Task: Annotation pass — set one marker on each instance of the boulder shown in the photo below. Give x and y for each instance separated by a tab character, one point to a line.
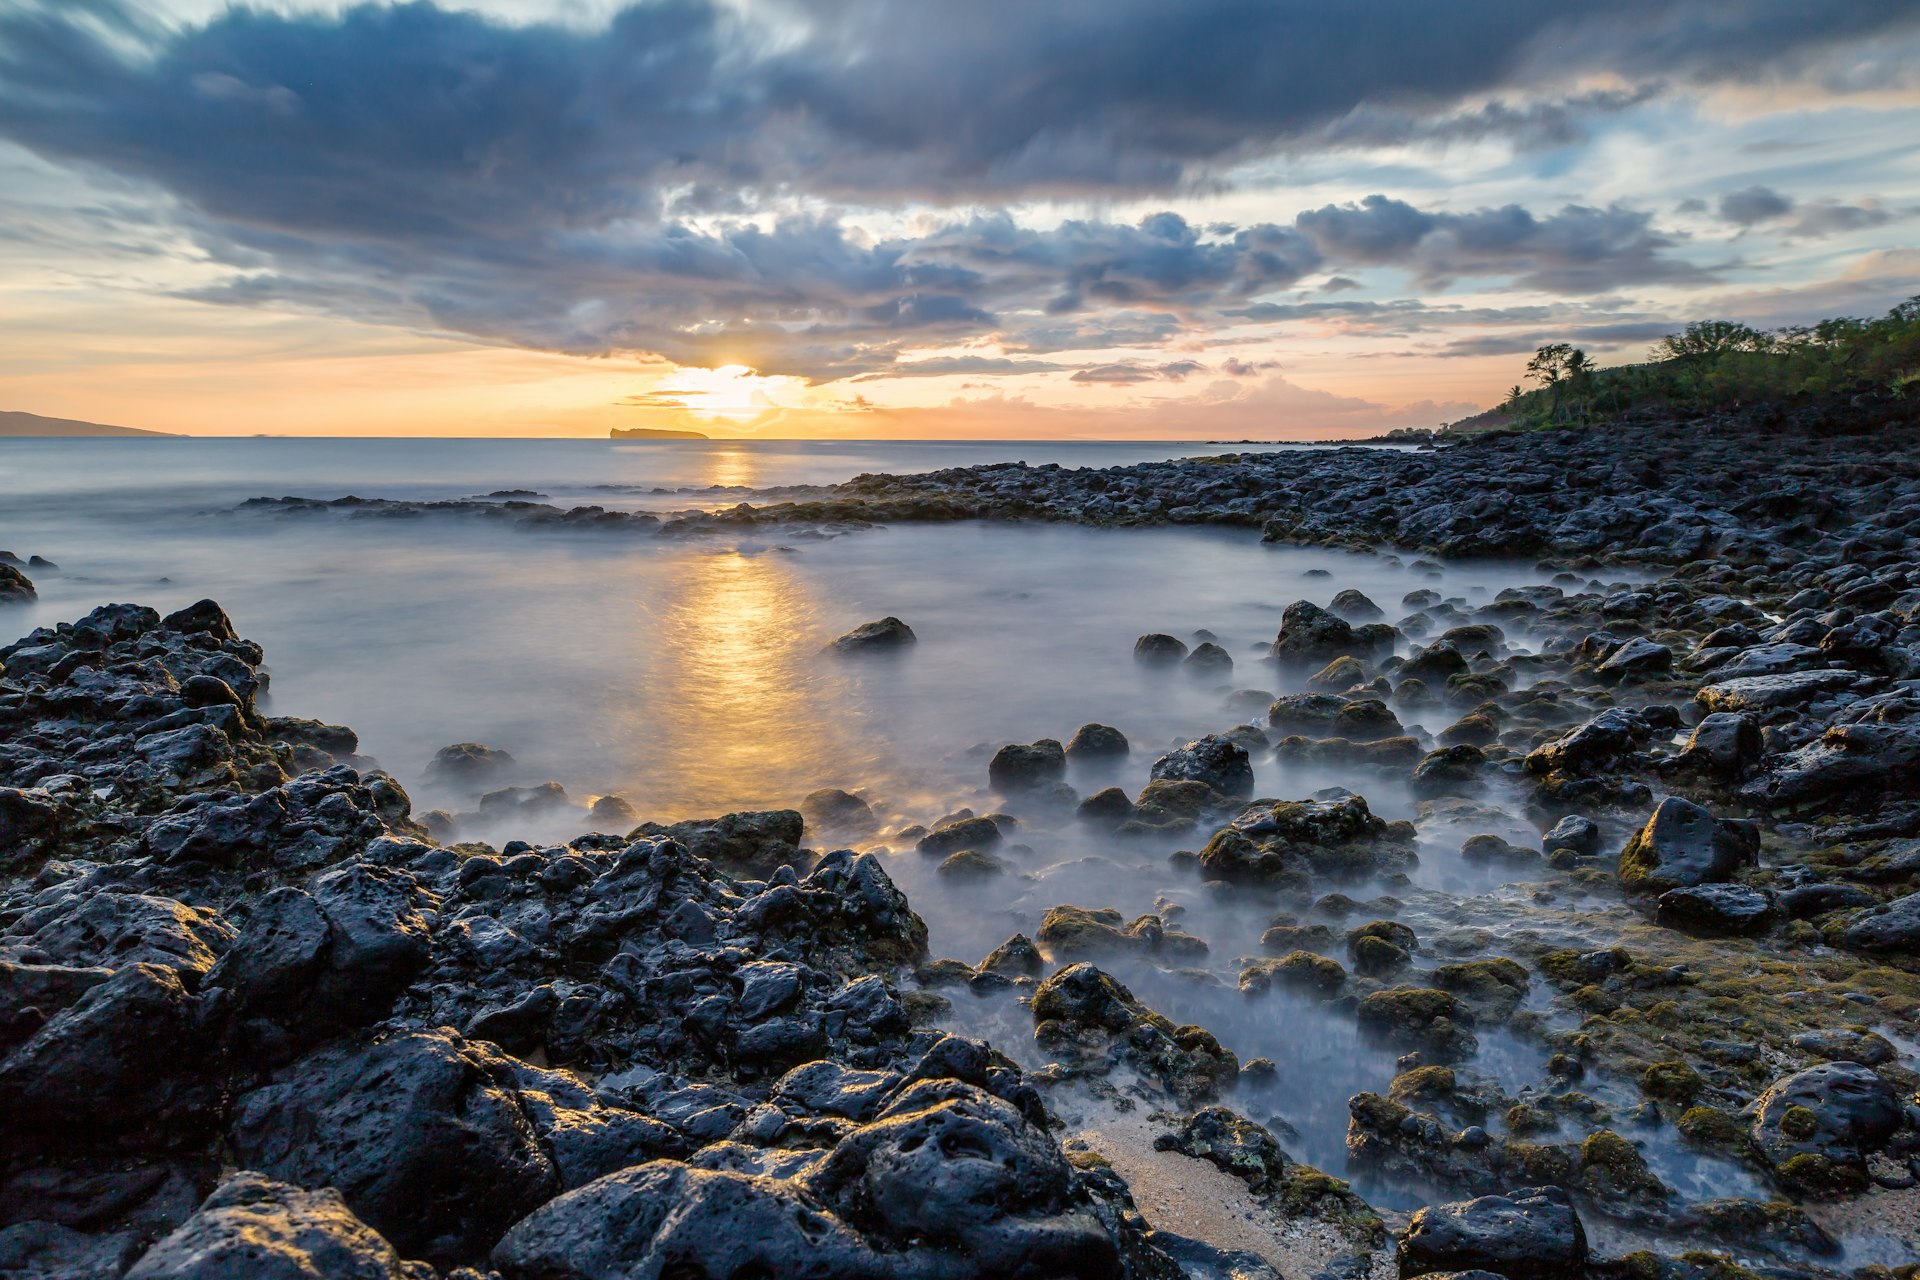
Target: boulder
1017	957
1449	771
1108	807
134	1062
1769	660
967	833
1588	747
1095	742
612	813
757	843
468	766
1848	764
1433	665
835	810
1582	835
1637	659
1215	760
1291	842
1766	693
1816	1127
16	587
1364	720
1895	930
1312	637
1683	845
1308	713
1341	673
1726	744
424	1134
1017	768
1530	1234
1435	1023
1208	659
1158	650
1354	606
1736	909
253	1228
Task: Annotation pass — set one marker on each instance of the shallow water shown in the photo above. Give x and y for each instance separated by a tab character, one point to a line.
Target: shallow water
691	676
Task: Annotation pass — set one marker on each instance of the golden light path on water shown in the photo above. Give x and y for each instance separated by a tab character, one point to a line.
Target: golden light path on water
736	703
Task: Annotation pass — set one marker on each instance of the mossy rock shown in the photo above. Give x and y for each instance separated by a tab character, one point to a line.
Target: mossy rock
1425	1019
1182	798
1672	1081
1376	957
1816	1177
1423	1084
1612	1169
1498	983
1712	1129
1524	1121
1301	971
1072	932
923	1008
1393	931
971	864
1291	937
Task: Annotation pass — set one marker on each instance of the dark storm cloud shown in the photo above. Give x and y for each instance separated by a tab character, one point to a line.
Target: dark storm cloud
1754	205
591	190
1578	250
413	119
1835	217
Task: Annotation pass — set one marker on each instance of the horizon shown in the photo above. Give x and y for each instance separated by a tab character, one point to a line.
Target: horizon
854	220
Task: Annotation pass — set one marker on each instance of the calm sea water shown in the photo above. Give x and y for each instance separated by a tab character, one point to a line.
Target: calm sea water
690	676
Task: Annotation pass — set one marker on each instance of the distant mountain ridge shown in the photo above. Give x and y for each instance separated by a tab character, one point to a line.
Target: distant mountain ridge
15	423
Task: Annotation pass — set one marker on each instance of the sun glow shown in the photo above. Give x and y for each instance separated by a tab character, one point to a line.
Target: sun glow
731	393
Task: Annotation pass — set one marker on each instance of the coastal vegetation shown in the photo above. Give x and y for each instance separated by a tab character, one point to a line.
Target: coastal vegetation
1717	366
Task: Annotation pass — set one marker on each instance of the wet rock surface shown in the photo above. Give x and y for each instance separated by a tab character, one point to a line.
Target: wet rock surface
428	1057
1622	964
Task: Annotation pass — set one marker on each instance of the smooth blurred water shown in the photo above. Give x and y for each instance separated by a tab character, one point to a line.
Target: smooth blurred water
692	677
132	475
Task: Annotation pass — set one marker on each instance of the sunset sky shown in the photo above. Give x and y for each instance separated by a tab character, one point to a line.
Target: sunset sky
1014	218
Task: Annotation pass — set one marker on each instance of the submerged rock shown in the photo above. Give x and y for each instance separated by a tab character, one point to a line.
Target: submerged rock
837	810
1159	650
470	766
1208	659
884	634
1016	768
1096	742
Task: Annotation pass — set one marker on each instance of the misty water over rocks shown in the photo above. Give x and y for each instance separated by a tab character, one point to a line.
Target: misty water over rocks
1411	962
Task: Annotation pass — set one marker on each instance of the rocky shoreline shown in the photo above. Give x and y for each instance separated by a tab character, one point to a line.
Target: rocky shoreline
1742	487
255	1019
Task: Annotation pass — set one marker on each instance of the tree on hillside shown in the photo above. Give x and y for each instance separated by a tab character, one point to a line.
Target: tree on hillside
1705	341
1564	372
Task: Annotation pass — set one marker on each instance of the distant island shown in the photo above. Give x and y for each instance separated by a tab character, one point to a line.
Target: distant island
15	423
655	433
